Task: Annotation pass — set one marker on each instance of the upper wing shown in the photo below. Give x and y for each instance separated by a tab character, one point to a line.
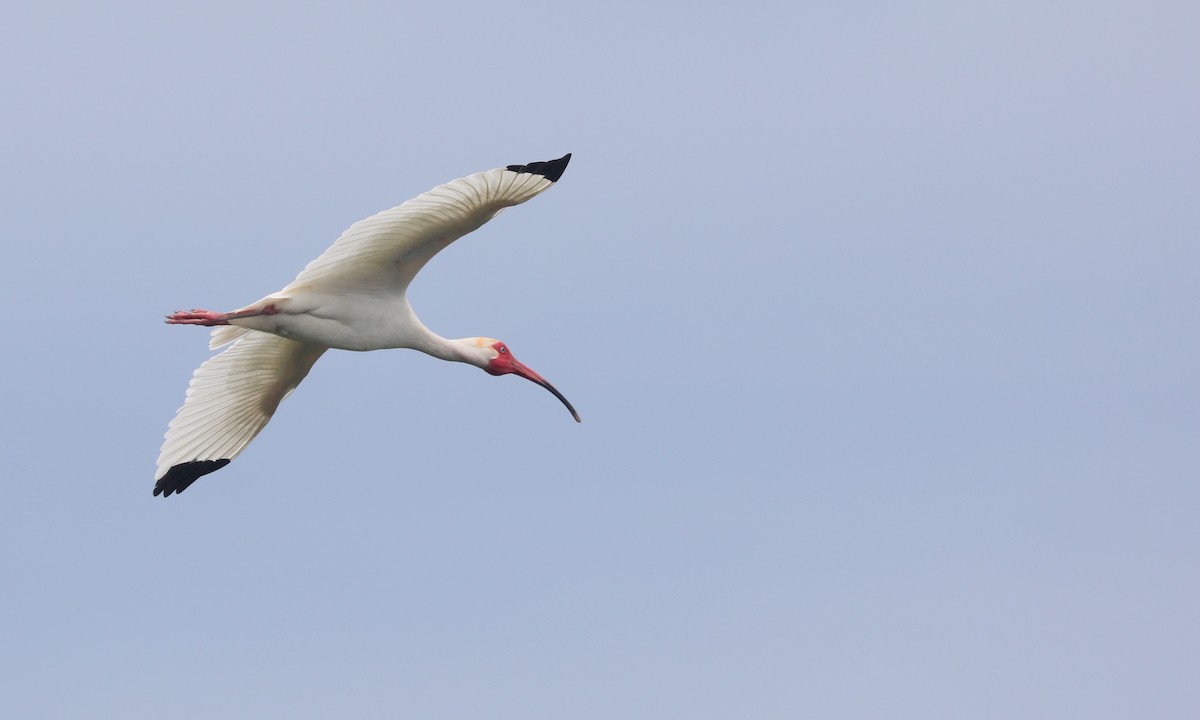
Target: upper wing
229	400
384	252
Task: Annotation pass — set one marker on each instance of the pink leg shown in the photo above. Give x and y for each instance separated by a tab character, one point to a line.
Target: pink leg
196	316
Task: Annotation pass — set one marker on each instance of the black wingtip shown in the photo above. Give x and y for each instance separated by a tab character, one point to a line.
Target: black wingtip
552	170
180	476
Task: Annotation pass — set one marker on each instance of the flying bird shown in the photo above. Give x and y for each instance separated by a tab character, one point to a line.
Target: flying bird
352	297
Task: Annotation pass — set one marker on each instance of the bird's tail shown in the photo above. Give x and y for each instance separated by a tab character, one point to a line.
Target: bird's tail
225	334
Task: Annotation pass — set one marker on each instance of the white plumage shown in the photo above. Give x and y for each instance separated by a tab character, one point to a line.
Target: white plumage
352	297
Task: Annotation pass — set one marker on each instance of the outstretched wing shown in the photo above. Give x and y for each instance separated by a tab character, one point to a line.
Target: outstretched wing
384	252
229	400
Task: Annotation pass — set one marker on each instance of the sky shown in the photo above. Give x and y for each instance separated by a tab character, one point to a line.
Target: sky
881	319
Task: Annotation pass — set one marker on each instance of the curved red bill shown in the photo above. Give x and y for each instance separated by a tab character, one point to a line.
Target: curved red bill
518	367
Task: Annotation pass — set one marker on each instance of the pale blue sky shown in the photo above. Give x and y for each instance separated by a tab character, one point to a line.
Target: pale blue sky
882	320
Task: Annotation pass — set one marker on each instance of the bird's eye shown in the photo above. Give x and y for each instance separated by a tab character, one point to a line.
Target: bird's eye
503	349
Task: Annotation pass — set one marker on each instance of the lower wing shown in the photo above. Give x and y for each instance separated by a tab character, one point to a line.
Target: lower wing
230	399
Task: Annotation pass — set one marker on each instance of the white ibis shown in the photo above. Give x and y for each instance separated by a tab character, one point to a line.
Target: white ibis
352	297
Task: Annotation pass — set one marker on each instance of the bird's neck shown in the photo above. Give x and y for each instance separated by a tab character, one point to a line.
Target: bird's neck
412	333
461	350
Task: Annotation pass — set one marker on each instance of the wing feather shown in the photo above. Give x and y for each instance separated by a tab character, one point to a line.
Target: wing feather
385	251
229	400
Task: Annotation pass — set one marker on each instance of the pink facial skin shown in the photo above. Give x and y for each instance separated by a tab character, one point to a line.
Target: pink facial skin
504	363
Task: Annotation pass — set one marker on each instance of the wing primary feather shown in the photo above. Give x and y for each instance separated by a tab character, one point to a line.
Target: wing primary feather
180	476
552	170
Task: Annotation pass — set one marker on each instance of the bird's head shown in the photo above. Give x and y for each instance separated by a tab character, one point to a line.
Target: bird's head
496	359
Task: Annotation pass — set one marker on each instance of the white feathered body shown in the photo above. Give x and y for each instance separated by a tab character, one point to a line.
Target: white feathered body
352	297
